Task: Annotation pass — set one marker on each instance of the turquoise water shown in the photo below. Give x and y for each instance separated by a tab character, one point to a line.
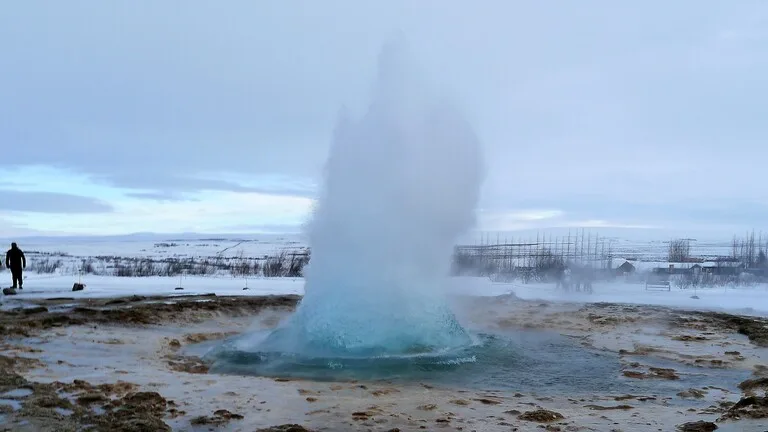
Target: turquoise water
523	361
528	361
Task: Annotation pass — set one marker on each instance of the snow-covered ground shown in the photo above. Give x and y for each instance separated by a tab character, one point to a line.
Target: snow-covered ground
163	246
157	255
42	286
751	300
71	252
74	251
746	300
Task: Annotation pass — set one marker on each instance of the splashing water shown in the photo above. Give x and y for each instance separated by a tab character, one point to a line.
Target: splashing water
401	186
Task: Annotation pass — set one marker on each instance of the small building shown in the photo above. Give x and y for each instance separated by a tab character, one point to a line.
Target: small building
723	267
671	269
625	268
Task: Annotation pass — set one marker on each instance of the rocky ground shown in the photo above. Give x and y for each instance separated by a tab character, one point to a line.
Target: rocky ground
123	365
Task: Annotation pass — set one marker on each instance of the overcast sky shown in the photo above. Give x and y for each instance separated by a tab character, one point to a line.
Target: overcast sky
127	116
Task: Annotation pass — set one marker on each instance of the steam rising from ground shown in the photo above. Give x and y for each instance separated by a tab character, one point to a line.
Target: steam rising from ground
401	186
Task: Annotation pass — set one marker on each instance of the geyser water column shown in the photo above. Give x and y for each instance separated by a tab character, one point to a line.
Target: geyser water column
401	185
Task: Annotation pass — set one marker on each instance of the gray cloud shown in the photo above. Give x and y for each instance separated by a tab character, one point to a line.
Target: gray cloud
594	95
158	196
50	202
178	188
583	207
265	228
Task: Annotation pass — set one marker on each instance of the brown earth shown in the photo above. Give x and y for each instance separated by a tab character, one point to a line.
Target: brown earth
122	408
119	406
698	426
541	416
136	311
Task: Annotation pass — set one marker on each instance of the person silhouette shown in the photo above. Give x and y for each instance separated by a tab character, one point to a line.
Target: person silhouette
17	262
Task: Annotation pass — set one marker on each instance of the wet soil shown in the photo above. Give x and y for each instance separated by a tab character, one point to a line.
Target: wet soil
120	406
174	390
134	310
698	426
73	406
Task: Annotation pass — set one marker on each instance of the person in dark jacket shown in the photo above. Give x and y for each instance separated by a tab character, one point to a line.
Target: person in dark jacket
17	262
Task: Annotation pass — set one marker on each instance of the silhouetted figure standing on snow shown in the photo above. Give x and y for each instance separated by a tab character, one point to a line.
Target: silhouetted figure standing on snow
17	262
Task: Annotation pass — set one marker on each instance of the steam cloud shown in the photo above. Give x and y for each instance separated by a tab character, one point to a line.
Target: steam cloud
401	186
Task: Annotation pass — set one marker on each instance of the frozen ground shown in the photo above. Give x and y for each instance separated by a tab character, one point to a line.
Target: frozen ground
750	300
47	286
184	254
152	245
70	255
55	263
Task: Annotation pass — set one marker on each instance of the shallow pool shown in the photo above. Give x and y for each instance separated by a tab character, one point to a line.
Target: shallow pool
525	361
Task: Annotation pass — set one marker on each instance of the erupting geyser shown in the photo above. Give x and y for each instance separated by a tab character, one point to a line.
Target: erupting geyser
401	185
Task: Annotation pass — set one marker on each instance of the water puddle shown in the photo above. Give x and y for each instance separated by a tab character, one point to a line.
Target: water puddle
63	411
16	306
14	404
200	349
62	308
17	393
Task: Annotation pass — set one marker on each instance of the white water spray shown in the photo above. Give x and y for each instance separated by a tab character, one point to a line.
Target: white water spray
401	186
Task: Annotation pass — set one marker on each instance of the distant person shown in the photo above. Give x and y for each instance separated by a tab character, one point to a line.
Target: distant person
17	262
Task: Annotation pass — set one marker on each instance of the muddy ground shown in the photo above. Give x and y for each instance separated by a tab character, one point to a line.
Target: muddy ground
120	365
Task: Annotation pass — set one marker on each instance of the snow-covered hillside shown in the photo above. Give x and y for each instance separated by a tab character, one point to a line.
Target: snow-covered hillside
155	255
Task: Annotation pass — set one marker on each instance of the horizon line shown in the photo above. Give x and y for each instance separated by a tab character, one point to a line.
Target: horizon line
529	232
